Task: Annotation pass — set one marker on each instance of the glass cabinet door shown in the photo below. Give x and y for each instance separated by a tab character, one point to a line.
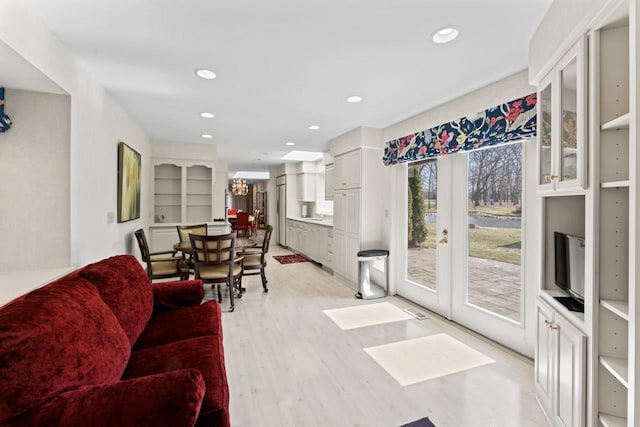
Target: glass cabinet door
569	102
544	124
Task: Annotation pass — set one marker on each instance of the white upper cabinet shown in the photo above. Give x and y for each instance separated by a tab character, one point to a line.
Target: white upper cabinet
562	136
347	170
306	187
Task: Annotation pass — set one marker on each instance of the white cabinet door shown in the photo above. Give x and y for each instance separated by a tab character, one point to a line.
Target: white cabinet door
339	211
562	118
543	370
560	364
339	252
351	258
321	244
352	211
569	405
329	179
348	170
306	187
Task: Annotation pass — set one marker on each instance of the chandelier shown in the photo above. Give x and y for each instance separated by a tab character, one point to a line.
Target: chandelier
239	187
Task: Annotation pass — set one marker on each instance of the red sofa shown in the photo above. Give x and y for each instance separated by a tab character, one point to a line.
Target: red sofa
103	347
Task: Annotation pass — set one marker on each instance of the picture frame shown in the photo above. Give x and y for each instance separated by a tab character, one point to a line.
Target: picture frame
129	168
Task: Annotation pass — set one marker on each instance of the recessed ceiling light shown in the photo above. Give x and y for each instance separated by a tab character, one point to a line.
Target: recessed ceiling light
290	143
207	115
314	127
206	136
445	35
353	99
206	74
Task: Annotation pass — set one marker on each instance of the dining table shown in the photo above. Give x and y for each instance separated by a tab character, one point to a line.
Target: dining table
242	243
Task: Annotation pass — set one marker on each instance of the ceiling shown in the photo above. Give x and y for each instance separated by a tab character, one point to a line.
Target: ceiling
283	65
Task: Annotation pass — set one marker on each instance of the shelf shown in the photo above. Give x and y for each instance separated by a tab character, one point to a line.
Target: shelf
619	368
160	178
612	421
168	194
198	206
168	206
621	122
615	184
199	179
198	194
620	308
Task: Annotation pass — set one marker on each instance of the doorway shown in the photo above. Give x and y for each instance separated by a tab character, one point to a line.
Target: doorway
463	228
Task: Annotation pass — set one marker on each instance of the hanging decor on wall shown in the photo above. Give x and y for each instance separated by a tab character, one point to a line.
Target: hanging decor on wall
503	123
5	121
129	165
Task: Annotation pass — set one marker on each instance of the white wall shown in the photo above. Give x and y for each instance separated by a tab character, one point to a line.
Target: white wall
97	124
564	22
34	182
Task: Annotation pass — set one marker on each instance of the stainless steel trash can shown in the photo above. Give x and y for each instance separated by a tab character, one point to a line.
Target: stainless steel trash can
372	284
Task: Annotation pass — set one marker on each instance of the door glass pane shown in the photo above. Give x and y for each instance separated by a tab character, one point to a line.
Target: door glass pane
545	134
494	230
568	161
422	216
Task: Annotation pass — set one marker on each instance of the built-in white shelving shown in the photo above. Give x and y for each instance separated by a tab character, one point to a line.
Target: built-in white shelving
620	308
615	184
620	122
612	421
618	367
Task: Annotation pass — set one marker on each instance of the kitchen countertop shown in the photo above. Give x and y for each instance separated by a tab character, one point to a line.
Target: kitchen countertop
327	222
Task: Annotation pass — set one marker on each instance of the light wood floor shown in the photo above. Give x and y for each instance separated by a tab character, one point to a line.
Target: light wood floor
288	364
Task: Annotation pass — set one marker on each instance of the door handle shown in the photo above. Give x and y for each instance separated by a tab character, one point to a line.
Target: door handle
444	239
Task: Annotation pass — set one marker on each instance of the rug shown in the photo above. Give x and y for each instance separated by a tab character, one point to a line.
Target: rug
290	259
426	358
422	422
366	315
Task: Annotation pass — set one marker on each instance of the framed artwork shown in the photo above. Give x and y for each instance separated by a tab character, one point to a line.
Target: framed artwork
129	166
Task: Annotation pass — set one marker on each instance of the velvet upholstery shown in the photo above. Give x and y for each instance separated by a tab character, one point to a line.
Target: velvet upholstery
66	358
172	295
204	354
202	320
124	287
170	399
56	338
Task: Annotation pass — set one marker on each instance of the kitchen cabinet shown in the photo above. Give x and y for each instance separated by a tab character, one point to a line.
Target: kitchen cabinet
329	179
348	170
560	363
308	239
306	187
562	140
346	237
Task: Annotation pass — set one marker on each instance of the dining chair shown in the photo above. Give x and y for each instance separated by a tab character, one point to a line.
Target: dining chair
161	265
242	223
215	262
255	259
254	224
183	235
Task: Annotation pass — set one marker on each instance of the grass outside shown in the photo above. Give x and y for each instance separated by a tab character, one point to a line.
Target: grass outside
507	209
498	244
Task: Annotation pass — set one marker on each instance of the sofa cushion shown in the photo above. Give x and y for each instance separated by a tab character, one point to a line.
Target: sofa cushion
204	354
171	399
125	288
56	338
169	326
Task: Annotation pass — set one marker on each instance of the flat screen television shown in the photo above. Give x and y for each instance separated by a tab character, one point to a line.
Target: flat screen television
569	268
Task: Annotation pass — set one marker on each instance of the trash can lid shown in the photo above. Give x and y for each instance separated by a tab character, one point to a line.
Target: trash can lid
373	253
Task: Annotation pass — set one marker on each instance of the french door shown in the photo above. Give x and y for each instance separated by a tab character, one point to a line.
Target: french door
463	241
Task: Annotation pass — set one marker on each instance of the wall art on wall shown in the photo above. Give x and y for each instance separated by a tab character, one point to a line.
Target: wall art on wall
129	166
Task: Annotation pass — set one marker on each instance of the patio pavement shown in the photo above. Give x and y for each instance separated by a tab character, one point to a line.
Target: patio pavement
493	285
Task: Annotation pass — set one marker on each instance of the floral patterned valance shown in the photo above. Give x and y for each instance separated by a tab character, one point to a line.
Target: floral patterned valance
510	121
5	121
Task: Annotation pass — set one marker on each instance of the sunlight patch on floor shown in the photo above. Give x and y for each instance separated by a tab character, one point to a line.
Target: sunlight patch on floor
422	359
